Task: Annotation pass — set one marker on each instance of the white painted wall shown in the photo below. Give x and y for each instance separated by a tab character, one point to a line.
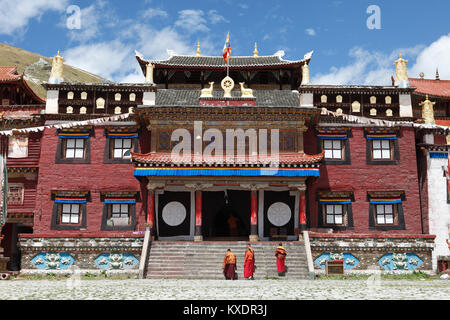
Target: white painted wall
438	208
51	106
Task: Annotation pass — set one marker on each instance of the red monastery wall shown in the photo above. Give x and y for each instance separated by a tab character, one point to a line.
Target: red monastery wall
360	177
95	177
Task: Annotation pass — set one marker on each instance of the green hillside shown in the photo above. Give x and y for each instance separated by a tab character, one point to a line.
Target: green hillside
37	68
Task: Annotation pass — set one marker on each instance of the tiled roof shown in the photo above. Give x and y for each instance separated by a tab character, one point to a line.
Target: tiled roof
173	97
284	159
9	73
439	88
218	61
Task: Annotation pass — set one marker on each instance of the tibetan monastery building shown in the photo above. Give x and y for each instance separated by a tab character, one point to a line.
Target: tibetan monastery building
207	155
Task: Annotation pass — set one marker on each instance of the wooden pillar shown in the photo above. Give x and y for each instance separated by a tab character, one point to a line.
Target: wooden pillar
302	210
254	216
151	211
198	236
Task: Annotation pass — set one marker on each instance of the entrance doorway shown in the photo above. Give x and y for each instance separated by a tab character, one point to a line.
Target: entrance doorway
226	215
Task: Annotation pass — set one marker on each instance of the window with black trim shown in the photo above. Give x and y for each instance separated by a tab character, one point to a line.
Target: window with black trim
386	210
335	210
69	212
73	148
336	147
382	149
119	146
119	212
333	149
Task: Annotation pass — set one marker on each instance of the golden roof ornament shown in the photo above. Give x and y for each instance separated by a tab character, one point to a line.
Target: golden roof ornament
227	85
255	52
401	73
57	73
427	110
246	92
305	74
198	52
149	73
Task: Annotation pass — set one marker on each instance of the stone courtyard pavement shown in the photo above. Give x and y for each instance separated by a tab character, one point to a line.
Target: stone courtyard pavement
222	290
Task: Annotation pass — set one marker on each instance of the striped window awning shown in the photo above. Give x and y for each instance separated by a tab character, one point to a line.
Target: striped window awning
335	201
223	172
385	200
120	200
332	136
73	135
381	136
123	135
70	200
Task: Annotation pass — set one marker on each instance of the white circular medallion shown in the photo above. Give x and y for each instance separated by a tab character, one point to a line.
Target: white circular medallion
174	213
279	214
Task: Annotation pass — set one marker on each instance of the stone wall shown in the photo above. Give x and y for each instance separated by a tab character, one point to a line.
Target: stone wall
63	255
369	253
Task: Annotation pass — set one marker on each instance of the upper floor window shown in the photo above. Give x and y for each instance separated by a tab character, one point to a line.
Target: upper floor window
73	148
119	146
336	147
18	147
382	149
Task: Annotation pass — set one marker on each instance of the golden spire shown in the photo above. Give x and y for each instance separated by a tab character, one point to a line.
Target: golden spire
198	52
255	53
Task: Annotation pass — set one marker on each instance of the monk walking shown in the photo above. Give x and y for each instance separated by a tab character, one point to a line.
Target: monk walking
249	263
281	254
229	265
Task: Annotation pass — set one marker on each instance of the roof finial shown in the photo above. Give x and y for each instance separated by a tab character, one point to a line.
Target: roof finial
255	53
57	73
198	52
401	73
437	75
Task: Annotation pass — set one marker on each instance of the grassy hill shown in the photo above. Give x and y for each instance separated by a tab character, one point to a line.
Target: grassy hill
37	68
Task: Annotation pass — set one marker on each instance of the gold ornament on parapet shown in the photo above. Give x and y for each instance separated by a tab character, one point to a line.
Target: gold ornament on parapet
227	86
427	110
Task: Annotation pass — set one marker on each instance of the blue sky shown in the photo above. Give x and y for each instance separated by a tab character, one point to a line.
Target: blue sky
346	51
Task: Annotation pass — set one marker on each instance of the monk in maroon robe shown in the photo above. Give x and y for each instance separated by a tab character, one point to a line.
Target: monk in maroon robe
229	265
249	263
281	254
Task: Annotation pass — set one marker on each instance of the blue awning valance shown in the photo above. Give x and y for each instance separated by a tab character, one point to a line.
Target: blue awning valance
224	172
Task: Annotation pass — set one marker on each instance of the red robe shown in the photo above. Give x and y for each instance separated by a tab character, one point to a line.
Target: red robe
229	265
249	263
280	253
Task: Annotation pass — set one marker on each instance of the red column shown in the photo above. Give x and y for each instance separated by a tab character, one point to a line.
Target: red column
198	216
151	209
254	216
302	210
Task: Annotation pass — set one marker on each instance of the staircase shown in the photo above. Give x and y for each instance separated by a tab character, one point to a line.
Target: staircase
203	260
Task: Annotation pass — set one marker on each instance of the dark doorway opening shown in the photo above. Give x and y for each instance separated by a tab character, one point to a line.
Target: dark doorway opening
10	233
226	215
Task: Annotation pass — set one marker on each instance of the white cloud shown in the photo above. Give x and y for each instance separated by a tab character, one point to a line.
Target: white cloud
214	17
151	13
192	21
92	18
106	59
376	68
310	32
15	15
435	55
